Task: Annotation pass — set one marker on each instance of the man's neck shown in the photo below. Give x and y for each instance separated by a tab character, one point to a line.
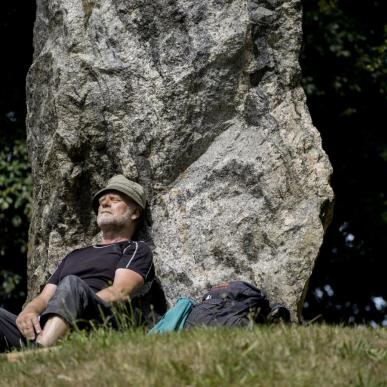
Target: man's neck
107	241
109	238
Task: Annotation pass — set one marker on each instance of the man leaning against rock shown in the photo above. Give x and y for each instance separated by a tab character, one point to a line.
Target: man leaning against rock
90	281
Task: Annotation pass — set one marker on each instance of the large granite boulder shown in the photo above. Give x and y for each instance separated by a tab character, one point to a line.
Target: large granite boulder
199	101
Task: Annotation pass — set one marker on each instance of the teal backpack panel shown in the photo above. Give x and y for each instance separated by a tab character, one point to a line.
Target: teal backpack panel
175	318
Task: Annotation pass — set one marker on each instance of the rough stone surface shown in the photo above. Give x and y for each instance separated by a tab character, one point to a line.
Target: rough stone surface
200	101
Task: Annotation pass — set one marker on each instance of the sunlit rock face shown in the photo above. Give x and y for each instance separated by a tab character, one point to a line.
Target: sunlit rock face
199	101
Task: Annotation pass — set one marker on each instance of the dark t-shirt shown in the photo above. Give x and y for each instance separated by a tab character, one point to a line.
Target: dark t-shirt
97	264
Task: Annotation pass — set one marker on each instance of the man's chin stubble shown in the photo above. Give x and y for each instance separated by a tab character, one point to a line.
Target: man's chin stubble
111	222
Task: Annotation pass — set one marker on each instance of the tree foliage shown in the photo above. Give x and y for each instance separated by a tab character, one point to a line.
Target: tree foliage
345	76
15	206
16	22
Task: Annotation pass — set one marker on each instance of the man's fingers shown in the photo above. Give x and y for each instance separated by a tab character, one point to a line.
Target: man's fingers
28	326
30	335
19	324
36	324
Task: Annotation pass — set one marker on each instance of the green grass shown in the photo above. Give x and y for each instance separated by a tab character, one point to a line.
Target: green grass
264	356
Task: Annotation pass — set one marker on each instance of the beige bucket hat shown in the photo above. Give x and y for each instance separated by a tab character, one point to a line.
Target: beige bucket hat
123	185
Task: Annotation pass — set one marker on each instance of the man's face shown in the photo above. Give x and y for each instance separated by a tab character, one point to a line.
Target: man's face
115	210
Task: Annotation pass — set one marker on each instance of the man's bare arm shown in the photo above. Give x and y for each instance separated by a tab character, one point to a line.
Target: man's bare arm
28	320
125	283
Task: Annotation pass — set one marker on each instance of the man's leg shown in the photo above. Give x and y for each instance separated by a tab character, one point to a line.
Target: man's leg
10	336
73	301
54	329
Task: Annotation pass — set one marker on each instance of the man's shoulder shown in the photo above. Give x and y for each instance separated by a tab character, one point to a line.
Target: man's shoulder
137	246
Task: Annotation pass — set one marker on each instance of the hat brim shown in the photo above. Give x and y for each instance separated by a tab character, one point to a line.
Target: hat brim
95	202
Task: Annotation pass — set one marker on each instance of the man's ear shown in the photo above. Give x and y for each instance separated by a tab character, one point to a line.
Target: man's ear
136	214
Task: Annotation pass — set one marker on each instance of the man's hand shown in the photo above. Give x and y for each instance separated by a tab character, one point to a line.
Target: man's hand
28	319
28	324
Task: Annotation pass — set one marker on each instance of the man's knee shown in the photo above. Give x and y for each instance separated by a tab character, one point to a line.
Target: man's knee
71	282
71	285
68	297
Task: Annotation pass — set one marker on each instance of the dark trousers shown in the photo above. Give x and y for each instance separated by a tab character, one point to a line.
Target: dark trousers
74	301
10	336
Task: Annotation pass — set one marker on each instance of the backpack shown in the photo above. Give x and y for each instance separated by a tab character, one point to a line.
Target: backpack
235	303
